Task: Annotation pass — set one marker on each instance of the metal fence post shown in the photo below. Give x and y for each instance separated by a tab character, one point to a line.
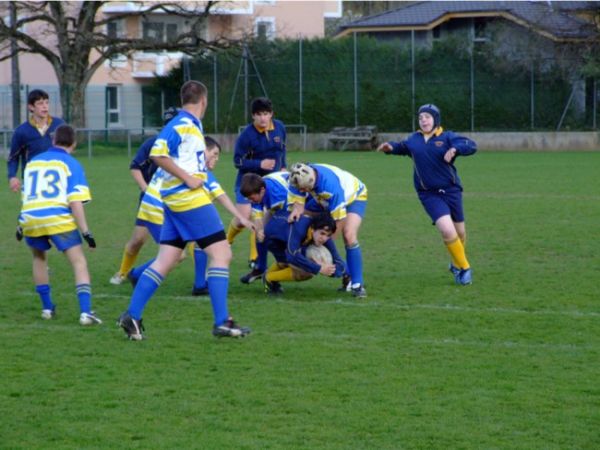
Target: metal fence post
412	70
300	76
355	83
89	139
128	143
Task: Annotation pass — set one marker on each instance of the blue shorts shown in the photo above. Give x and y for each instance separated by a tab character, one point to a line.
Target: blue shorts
153	228
357	207
443	203
193	225
62	241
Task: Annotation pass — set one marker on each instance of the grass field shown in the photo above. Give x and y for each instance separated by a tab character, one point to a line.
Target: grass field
511	362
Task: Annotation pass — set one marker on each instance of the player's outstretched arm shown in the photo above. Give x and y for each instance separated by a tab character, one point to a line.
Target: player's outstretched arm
224	200
137	176
386	147
167	164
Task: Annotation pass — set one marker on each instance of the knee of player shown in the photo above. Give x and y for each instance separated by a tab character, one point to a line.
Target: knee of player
301	275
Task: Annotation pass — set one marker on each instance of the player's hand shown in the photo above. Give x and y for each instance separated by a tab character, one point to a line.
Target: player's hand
386	147
247	223
14	184
194	183
450	155
91	242
327	269
267	164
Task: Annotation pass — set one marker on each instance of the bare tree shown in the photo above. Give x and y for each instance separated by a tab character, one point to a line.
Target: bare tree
76	39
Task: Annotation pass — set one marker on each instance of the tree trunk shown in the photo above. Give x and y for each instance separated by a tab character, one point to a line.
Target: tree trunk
72	100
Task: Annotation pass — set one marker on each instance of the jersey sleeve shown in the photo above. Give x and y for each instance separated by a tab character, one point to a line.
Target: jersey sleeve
340	265
295	196
295	250
16	148
399	148
77	186
212	186
240	160
143	154
464	146
166	144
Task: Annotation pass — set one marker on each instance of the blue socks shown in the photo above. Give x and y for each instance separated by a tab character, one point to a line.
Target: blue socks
137	272
218	286
145	288
355	264
263	253
200	261
84	295
43	291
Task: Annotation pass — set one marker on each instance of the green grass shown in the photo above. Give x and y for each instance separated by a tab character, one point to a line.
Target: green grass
512	361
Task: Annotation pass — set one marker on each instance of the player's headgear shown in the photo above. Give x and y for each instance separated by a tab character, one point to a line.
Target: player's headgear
169	114
302	176
434	111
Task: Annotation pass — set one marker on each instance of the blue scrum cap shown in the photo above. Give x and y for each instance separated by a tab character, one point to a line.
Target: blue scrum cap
430	108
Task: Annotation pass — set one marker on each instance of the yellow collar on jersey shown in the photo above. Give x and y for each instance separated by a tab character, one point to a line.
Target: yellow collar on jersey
35	125
436	132
270	127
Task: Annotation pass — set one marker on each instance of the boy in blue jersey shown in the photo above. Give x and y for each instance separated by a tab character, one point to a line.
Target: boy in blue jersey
436	181
322	187
259	149
142	169
189	216
288	243
30	139
268	196
54	191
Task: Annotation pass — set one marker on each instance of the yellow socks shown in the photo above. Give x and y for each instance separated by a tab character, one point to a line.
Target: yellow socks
253	252
232	232
127	261
276	274
457	253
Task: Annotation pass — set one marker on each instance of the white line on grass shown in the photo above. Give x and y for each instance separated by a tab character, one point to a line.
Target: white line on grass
374	304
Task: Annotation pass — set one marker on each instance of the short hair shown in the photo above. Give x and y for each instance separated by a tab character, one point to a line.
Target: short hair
35	95
324	221
64	136
192	92
261	104
251	183
211	143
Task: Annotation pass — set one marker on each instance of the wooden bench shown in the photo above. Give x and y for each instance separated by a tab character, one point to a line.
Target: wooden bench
358	137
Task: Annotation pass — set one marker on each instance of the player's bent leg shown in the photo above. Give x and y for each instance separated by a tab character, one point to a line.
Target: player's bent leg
460	266
130	253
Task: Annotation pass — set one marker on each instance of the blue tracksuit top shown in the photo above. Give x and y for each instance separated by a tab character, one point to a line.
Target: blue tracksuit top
252	146
142	162
431	171
27	142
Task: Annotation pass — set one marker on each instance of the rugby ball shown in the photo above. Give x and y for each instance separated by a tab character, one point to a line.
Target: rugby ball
319	254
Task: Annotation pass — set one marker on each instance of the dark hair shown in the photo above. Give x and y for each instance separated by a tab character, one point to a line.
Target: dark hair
324	221
261	104
211	143
64	136
251	183
35	95
192	91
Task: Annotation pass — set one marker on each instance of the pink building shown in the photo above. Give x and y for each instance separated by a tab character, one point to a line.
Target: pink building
114	94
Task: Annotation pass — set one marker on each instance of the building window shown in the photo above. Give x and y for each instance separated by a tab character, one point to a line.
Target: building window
437	32
159	31
264	28
113	105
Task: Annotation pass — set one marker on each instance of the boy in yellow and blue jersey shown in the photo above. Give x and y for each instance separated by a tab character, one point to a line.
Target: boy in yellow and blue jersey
436	181
150	216
54	191
189	216
322	187
268	196
259	149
